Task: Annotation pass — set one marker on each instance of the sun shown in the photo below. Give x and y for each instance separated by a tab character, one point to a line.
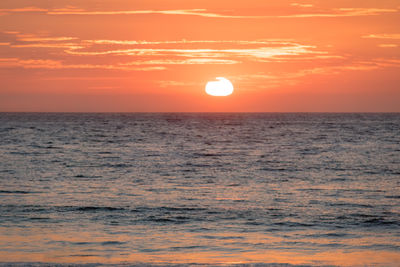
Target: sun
222	87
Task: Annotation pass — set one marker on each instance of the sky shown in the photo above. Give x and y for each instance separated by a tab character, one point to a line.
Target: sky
158	55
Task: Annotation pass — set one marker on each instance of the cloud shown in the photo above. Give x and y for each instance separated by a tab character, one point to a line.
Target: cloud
30	38
190	61
10	32
177	83
388	45
33	41
342	12
47	45
142	55
155	53
239	42
24	9
273	80
301	5
186	12
394	36
386	62
56	64
249	53
335	12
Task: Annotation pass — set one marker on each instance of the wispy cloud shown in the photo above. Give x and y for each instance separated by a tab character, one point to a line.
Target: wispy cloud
394	36
177	83
249	53
159	53
337	12
24	9
142	55
186	12
30	38
388	45
47	45
55	64
342	12
239	42
11	32
191	61
386	62
334	12
301	5
274	80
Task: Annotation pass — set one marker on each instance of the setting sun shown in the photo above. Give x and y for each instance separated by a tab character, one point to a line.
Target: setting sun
222	87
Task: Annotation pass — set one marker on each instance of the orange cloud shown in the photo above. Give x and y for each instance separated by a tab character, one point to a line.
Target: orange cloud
177	83
383	36
342	12
24	9
272	80
334	12
187	12
301	5
388	45
268	50
387	62
249	53
190	61
239	42
47	45
56	64
337	12
31	38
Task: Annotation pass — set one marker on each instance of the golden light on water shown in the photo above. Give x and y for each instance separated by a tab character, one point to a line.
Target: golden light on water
221	87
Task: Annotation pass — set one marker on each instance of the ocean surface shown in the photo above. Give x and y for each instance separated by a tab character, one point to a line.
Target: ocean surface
201	188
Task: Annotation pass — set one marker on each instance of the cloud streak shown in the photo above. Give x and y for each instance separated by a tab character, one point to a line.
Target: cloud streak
301	5
337	12
24	9
274	80
329	13
57	65
393	36
249	53
388	45
142	55
152	55
238	42
191	61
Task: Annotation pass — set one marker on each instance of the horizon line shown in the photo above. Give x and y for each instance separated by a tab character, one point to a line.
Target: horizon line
200	112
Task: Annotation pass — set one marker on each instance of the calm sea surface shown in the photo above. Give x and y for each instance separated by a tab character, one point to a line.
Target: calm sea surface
313	189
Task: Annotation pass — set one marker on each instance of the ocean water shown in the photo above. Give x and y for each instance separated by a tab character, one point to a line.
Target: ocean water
206	188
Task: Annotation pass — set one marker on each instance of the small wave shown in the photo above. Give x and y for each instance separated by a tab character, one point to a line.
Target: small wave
39	218
379	221
15	192
93	208
171	209
396	197
112	243
84	208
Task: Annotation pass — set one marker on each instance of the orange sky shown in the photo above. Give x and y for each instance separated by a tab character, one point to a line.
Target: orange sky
157	55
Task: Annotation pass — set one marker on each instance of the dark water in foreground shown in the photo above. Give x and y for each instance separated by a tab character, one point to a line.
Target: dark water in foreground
309	189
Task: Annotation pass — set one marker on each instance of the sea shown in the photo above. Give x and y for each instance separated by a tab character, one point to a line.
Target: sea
199	189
